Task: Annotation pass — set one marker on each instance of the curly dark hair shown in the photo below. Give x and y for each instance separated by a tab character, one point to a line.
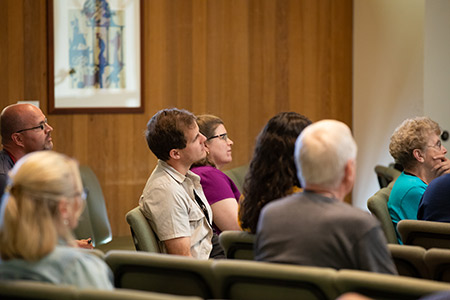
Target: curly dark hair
165	131
272	171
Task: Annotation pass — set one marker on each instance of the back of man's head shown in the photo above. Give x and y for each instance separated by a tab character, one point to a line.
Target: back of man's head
165	131
12	119
322	151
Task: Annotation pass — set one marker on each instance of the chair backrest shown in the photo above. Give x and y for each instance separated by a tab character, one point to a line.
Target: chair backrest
409	260
377	205
238	175
32	290
162	273
251	280
237	244
385	175
144	237
427	234
25	289
384	286
119	294
94	222
438	264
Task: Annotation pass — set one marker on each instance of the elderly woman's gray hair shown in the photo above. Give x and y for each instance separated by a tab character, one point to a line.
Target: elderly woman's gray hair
411	134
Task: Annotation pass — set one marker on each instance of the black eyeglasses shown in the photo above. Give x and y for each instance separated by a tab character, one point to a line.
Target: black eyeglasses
41	126
223	136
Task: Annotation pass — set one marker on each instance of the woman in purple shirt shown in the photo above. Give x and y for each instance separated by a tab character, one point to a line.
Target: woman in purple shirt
220	191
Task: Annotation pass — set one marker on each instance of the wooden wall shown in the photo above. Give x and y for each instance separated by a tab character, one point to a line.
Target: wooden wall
243	60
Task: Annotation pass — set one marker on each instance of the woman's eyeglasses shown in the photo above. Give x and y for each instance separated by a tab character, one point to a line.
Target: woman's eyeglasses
223	136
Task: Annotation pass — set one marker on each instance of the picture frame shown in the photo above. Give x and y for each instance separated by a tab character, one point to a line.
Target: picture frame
95	56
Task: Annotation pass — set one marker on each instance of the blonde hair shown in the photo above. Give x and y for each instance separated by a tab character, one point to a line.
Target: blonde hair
321	152
32	223
411	134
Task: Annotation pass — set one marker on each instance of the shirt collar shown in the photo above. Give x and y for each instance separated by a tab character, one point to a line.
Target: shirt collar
177	175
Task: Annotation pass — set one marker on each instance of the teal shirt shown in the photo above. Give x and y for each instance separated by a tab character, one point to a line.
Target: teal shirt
64	265
405	198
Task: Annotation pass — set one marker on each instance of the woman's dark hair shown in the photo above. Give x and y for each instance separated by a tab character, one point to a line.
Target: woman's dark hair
207	125
272	173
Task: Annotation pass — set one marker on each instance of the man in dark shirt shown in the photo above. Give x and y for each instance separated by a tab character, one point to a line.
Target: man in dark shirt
24	129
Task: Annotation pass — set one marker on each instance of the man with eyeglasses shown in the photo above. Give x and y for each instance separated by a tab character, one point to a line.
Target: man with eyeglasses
24	129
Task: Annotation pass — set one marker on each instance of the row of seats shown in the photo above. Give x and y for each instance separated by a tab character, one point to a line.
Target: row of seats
426	234
244	279
28	290
142	275
411	261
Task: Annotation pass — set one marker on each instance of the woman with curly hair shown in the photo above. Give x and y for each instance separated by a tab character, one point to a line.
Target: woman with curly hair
272	173
416	146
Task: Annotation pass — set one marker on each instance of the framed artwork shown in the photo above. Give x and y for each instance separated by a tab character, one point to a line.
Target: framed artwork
95	56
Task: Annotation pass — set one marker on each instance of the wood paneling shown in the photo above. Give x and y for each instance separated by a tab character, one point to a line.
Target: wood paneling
244	60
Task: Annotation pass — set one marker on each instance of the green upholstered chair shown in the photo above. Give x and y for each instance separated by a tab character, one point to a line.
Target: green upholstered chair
25	289
162	273
386	175
144	237
94	222
237	244
426	234
238	175
120	294
438	263
377	205
254	280
384	286
33	290
409	260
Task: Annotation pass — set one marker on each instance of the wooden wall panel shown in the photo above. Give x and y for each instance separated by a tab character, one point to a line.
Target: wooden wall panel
244	60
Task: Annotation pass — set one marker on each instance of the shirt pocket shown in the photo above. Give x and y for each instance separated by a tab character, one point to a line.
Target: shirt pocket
196	218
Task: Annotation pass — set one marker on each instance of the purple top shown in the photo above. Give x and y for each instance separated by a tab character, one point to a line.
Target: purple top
216	185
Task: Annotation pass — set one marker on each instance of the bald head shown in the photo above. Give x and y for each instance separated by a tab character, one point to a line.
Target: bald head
24	129
14	117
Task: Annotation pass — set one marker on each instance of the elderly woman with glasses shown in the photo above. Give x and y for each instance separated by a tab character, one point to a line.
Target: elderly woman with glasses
417	147
220	191
43	201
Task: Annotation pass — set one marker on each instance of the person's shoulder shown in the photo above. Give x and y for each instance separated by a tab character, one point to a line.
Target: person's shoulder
349	213
284	203
440	182
205	170
70	256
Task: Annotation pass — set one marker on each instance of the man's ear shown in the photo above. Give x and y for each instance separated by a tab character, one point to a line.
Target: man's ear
174	154
418	155
17	138
350	172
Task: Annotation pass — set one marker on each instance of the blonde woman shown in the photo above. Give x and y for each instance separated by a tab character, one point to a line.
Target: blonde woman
42	204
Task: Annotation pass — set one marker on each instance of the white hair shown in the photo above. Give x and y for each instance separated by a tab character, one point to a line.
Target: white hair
321	152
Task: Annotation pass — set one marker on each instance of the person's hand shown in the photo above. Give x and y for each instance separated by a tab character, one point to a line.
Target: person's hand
86	244
442	165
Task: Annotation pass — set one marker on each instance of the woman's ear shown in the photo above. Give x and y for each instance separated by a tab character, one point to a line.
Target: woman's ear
418	155
64	210
207	148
